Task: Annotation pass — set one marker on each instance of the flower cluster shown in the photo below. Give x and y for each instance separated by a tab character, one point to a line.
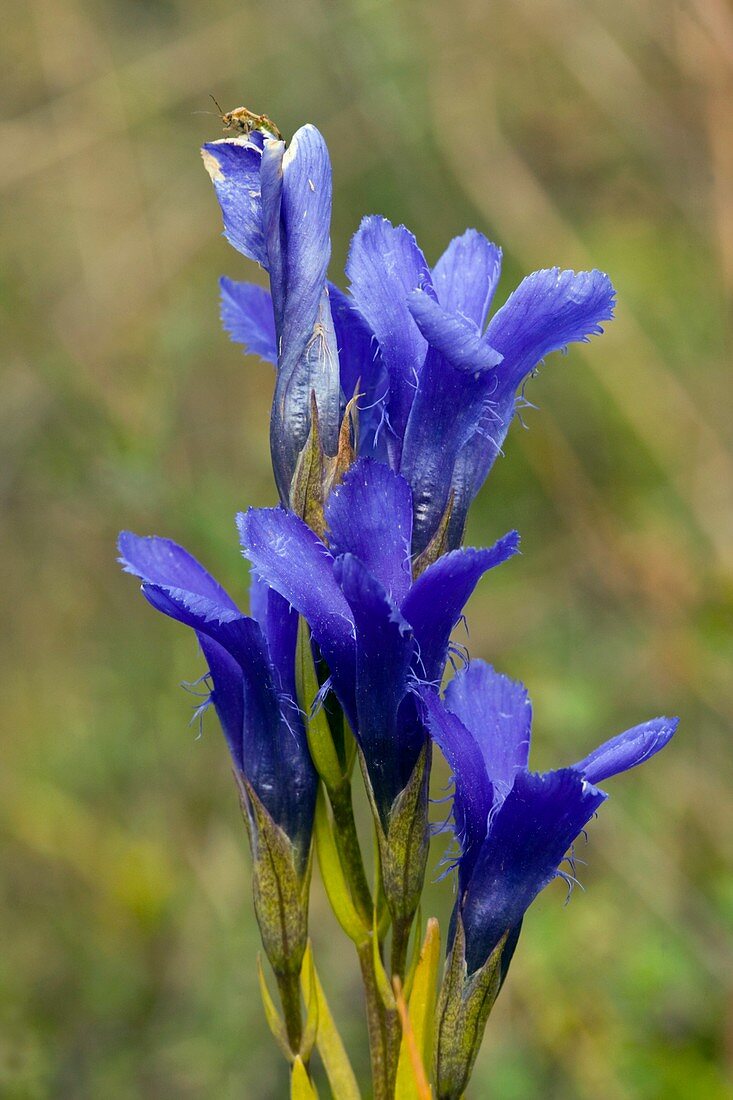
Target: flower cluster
391	403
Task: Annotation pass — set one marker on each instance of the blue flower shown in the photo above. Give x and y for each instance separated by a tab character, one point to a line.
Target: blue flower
438	387
252	669
452	383
378	631
514	826
276	204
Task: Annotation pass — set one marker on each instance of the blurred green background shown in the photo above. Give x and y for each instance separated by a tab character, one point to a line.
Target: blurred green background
573	132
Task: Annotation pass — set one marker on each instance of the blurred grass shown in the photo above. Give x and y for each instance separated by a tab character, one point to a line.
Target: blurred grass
573	133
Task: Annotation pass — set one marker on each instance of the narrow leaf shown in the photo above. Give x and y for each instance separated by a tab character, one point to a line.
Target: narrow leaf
301	1086
312	1016
320	739
273	1017
332	874
421	1013
330	1046
412	1082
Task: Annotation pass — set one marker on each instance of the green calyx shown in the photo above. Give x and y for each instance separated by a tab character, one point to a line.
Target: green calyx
317	473
463	1009
281	903
403	843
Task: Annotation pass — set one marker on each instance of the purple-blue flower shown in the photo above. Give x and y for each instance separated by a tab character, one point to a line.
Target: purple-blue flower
438	386
276	204
379	631
514	826
252	670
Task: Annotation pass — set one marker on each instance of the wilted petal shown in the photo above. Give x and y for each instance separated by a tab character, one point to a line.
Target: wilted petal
385	264
628	749
528	838
466	275
436	600
246	314
370	515
234	167
498	712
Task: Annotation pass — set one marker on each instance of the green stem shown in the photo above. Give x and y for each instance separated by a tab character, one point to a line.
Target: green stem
288	984
400	940
383	1072
347	841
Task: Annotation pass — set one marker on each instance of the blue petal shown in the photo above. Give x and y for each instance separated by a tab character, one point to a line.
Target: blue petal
370	515
234	167
548	310
436	600
466	275
246	314
264	730
384	265
498	712
384	651
528	838
279	624
628	749
458	340
296	198
360	366
227	694
476	458
161	561
291	559
455	384
473	795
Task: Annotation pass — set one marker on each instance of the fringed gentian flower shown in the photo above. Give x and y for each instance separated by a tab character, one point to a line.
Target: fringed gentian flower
438	388
514	826
391	403
277	210
379	631
252	671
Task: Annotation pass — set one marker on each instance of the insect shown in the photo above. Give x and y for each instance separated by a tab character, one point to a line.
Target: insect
243	121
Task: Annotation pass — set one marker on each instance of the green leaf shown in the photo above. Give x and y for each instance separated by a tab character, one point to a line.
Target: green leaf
273	1017
330	1046
301	1086
312	1017
421	1014
318	731
333	877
